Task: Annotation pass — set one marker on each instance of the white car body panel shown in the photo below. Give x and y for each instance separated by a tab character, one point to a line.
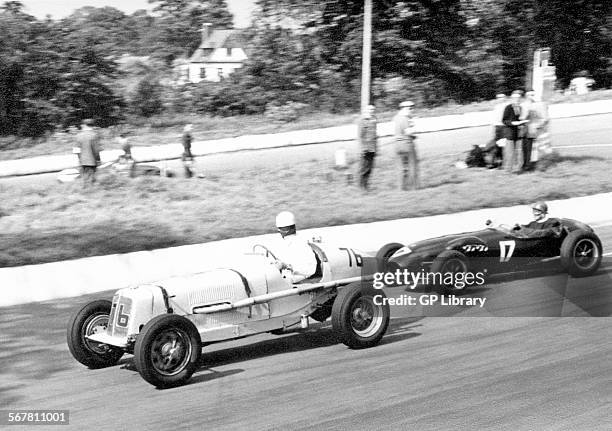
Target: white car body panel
251	277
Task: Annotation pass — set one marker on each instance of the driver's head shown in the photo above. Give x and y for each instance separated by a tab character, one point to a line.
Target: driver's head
285	222
540	209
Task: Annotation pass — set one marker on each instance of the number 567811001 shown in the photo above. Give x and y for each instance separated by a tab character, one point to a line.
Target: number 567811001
34	417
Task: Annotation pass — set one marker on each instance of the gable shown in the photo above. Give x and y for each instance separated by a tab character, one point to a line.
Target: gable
220	39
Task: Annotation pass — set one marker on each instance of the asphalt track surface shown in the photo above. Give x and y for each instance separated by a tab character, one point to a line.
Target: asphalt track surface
575	135
470	370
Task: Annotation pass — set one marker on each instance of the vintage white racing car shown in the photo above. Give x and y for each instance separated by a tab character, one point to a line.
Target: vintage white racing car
166	324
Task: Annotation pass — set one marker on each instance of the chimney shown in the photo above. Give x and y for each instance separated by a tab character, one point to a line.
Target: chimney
206	30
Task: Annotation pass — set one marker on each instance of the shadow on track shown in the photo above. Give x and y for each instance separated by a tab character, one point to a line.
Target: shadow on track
297	340
320	335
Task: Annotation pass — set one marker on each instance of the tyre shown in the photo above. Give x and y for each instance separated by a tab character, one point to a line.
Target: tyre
385	252
357	319
449	261
167	350
91	319
581	253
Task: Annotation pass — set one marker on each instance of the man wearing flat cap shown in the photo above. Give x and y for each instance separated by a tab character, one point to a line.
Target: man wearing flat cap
405	145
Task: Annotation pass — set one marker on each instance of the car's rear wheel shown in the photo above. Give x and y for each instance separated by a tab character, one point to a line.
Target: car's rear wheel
449	261
384	254
91	319
359	318
581	253
168	350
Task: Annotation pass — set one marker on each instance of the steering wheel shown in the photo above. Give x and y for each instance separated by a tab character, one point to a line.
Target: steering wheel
268	252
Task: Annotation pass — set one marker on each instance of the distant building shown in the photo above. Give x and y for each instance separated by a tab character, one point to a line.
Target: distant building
220	53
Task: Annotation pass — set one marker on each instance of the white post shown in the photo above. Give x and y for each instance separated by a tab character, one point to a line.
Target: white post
366	54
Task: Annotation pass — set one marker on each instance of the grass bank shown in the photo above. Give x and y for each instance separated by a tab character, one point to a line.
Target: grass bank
167	129
49	223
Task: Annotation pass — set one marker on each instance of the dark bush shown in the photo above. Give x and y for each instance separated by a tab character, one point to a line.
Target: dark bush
147	100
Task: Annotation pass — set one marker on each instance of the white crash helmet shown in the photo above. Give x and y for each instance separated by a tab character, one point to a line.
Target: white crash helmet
285	219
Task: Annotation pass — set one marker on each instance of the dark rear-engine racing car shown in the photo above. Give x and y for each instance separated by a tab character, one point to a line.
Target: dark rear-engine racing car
498	249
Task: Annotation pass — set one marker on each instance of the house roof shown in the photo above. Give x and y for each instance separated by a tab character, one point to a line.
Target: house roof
219	38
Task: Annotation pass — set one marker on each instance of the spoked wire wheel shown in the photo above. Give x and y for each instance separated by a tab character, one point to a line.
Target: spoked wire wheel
366	317
586	253
360	315
170	351
167	350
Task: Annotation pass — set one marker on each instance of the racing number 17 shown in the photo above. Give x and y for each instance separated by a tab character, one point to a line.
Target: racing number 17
506	248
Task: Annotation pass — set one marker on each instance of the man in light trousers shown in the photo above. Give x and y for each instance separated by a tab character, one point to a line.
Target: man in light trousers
405	146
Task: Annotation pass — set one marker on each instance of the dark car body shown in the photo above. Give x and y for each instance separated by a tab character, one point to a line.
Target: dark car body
494	249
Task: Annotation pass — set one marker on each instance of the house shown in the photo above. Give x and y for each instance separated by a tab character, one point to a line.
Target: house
220	53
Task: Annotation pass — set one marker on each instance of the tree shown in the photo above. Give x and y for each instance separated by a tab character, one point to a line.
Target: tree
412	39
147	100
180	22
579	33
50	78
13	7
106	28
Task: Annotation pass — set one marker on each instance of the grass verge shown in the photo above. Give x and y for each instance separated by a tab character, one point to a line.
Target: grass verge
63	221
167	129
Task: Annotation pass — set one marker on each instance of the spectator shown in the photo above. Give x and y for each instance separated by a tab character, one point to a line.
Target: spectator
535	113
126	161
405	145
88	151
125	145
512	131
187	157
493	150
366	133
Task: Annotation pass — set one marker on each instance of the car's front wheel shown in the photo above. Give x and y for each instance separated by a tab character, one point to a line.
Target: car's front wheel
449	262
581	253
360	316
167	350
89	320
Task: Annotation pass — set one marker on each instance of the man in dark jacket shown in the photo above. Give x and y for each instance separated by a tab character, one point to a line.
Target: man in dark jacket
512	131
366	134
89	151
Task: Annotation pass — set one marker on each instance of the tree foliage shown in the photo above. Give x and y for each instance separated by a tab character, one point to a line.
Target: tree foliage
179	23
54	73
51	78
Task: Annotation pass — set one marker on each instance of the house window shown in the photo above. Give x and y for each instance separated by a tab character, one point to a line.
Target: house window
220	72
202	72
228	52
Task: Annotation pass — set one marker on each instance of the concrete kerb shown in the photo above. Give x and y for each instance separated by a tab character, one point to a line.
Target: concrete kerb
37	165
95	274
